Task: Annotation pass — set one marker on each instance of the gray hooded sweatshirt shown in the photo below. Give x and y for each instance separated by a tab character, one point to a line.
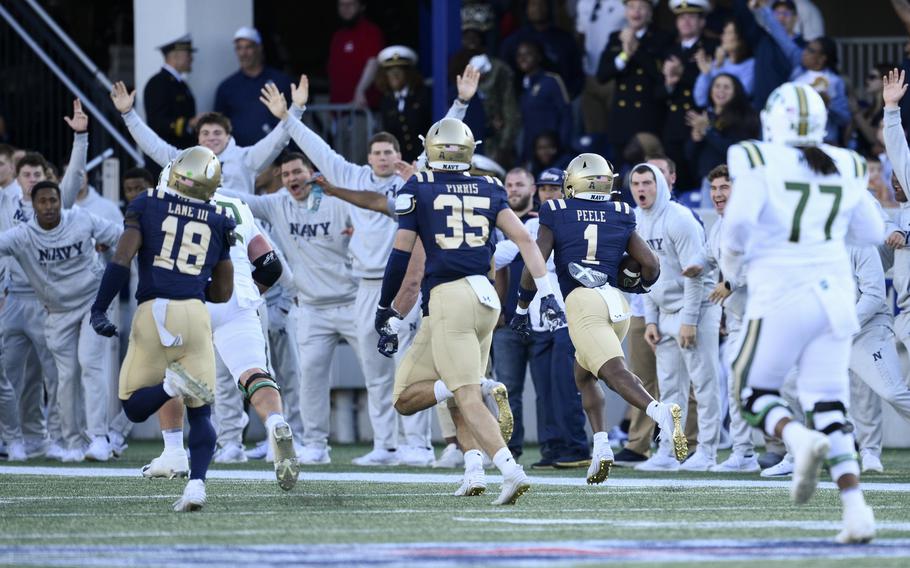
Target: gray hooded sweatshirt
899	154
61	264
678	239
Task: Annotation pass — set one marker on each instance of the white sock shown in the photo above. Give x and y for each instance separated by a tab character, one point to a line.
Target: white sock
441	391
852	497
173	439
793	433
473	460
273	419
653	411
601	438
504	461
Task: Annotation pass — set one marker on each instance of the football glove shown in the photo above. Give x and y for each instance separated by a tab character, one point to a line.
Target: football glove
383	315
521	324
387	323
550	313
102	325
388	344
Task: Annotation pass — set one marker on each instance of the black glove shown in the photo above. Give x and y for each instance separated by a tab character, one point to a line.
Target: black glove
550	312
102	325
388	344
521	324
383	315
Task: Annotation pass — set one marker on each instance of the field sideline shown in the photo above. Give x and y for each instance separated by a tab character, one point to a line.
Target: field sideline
339	514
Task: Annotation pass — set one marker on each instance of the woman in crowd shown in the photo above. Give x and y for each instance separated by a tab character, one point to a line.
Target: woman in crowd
733	56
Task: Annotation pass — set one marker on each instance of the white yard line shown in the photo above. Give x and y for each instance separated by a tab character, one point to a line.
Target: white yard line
701	525
408	478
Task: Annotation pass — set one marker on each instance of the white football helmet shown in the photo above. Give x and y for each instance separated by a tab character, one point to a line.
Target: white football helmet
794	115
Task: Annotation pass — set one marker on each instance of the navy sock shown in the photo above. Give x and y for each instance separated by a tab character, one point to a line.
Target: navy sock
145	402
201	441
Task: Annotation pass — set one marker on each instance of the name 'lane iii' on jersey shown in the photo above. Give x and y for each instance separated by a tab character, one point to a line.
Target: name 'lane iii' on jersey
454	214
177	253
589	233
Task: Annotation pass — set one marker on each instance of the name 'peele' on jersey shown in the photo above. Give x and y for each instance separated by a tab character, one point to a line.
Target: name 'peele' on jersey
182	241
454	215
588	231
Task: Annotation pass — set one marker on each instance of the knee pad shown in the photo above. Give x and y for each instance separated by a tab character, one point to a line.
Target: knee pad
263	381
755	404
828	417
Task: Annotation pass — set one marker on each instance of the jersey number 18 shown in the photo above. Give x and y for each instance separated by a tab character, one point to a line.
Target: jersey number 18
194	245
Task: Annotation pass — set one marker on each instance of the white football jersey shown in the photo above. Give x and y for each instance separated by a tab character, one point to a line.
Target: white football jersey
245	290
792	224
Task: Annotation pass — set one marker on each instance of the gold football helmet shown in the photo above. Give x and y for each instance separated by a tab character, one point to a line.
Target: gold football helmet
195	173
588	173
449	145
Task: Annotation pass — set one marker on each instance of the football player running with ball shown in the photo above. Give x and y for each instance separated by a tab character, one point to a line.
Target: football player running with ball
590	236
183	243
454	215
796	202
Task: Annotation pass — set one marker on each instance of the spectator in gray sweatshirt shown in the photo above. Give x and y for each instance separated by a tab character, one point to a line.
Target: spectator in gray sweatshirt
56	250
681	324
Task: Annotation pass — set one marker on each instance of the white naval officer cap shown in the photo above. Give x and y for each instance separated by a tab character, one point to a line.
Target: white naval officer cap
396	55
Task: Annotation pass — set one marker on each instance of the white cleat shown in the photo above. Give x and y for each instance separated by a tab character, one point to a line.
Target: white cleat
496	397
193	497
99	450
15	452
859	525
698	461
259	451
170	464
513	487
55	452
808	457
601	463
179	380
783	468
73	455
658	462
118	443
416	456
287	469
231	453
313	455
473	483
872	463
737	464
377	458
671	425
451	457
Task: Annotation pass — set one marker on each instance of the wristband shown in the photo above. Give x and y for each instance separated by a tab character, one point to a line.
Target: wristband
521	311
543	285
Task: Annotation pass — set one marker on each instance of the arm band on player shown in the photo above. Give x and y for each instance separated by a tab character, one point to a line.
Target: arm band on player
521	311
394	276
116	276
525	295
648	283
267	269
543	285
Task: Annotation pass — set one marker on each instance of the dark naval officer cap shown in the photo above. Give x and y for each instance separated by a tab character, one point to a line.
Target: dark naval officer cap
184	42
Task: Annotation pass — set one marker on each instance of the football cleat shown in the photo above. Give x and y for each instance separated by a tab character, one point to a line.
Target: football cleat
658	462
230	453
859	525
671	421
783	468
698	461
193	497
314	455
118	443
170	464
513	486
259	452
416	456
808	457
15	452
55	451
872	463
496	397
73	455
179	380
473	483
286	467
601	463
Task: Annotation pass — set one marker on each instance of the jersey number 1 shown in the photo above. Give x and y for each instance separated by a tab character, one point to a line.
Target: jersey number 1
193	246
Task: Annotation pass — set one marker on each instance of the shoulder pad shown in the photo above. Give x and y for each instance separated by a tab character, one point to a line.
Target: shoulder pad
860	167
756	159
551	204
405	203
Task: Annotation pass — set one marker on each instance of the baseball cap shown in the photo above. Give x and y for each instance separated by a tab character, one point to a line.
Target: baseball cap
551	176
249	34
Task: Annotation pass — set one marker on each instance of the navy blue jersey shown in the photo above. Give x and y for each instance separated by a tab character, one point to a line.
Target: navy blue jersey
590	233
454	214
182	241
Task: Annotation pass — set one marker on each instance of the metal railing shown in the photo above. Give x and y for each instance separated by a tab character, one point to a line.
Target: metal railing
40	75
347	128
858	54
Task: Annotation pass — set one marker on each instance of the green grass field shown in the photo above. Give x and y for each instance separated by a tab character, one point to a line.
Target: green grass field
340	514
